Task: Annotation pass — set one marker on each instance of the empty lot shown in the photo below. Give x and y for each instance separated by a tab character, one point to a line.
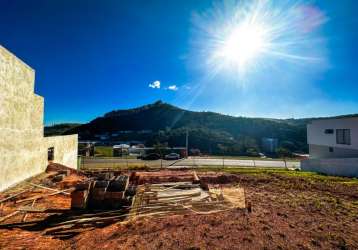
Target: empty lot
289	210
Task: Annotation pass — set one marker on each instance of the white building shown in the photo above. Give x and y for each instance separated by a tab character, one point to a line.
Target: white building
333	146
333	138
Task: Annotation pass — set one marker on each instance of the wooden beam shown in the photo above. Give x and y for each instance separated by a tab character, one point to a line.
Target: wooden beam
37	197
25	215
9	215
52	189
29	209
14	195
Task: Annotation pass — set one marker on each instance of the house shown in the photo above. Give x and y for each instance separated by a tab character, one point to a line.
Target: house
137	150
120	150
24	151
333	146
333	138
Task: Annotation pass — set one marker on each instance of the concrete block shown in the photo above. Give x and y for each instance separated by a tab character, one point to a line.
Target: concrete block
79	199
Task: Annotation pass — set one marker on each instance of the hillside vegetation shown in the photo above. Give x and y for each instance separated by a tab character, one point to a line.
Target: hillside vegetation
59	129
208	131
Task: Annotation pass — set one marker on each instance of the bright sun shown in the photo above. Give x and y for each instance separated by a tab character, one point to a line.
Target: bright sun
247	36
242	45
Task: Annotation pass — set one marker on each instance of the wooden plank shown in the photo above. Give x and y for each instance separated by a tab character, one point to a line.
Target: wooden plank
43	195
29	209
9	215
25	215
14	195
52	189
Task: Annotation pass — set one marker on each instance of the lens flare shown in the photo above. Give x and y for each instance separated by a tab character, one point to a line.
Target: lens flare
245	36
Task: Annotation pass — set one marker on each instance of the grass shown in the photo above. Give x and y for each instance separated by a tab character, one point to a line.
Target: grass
284	172
250	158
267	171
104	151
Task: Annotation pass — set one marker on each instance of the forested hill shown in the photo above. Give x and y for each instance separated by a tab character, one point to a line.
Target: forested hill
210	132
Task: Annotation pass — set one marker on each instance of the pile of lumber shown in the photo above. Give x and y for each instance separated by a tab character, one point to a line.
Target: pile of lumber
140	178
176	198
68	223
22	205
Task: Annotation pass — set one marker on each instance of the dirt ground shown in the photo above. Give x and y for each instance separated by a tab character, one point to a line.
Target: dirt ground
290	210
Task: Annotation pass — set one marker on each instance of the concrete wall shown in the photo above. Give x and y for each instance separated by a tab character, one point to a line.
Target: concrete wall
340	167
65	149
319	152
23	148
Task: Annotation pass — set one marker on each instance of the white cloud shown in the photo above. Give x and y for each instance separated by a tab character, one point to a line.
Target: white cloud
154	85
173	87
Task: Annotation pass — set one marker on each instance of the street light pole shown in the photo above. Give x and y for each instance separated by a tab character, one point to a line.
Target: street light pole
187	142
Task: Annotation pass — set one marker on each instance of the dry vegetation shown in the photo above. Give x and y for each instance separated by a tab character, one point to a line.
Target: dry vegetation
290	210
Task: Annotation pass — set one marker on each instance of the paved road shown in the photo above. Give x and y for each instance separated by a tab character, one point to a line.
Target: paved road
237	162
197	161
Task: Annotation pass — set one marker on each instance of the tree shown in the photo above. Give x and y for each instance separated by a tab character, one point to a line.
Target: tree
283	152
160	148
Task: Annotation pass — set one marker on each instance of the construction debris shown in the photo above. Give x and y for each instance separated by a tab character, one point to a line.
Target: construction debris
179	198
52	189
63	203
14	195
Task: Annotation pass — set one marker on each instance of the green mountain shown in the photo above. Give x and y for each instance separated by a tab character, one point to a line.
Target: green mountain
208	131
59	129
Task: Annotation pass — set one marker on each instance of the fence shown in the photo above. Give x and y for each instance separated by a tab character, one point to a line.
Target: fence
191	162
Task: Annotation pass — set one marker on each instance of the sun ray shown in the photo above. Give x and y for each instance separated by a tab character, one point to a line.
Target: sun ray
244	36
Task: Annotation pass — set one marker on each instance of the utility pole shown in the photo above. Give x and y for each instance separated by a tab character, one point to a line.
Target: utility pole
187	142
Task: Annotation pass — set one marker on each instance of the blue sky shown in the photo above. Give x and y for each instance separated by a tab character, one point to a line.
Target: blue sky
92	57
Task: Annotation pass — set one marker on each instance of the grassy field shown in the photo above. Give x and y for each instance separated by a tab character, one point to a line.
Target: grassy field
283	172
251	158
235	170
105	151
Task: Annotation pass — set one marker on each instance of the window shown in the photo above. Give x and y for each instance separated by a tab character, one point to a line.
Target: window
343	136
50	154
329	131
330	149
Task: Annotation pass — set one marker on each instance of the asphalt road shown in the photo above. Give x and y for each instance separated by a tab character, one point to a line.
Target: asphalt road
197	161
238	162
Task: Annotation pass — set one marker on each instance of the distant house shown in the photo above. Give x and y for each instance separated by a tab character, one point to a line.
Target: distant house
269	145
333	146
120	150
137	150
86	149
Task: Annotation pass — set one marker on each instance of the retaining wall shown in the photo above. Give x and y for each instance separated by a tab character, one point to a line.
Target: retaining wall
347	167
